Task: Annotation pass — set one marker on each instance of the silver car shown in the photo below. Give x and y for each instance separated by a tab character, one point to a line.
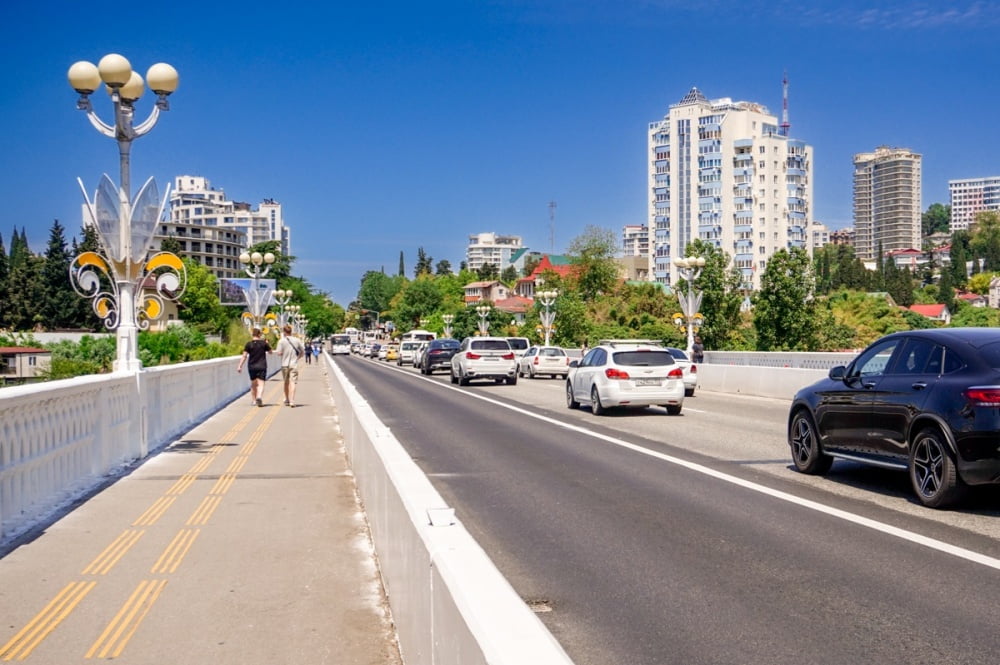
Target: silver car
546	360
484	358
690	370
627	375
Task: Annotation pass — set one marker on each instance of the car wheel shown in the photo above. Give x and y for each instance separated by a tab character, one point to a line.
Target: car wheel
531	373
511	380
673	409
571	403
595	402
454	378
803	438
463	380
932	471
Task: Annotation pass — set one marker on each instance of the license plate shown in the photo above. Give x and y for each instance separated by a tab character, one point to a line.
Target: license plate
647	382
491	359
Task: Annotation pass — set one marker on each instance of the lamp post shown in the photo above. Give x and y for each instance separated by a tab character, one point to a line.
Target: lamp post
484	315
257	301
547	299
125	226
689	269
448	319
281	298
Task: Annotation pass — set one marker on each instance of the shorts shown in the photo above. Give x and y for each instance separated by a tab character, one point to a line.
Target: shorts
290	373
257	373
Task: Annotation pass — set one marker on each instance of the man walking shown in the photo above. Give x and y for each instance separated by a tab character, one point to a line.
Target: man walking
291	350
255	358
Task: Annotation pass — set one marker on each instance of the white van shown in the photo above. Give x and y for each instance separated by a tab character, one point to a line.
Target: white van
518	345
408	352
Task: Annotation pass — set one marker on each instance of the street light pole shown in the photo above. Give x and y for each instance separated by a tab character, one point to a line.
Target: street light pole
689	269
547	299
125	226
257	303
281	298
484	314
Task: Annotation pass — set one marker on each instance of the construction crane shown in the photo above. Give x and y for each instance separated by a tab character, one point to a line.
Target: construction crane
785	125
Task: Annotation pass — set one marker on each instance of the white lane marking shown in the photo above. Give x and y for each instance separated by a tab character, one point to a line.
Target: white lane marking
931	543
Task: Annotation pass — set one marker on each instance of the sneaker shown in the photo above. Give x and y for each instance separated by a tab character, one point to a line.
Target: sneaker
291	405
260	402
286	402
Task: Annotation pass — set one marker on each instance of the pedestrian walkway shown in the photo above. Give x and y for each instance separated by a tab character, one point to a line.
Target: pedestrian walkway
241	543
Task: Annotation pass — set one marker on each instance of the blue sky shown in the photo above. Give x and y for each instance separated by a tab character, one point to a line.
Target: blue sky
386	126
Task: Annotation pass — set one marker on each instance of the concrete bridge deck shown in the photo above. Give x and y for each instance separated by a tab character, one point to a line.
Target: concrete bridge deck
243	542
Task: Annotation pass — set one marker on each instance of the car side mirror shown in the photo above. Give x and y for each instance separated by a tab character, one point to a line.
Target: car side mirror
838	373
574	363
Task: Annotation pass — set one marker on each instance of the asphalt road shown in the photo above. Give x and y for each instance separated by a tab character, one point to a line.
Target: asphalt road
647	538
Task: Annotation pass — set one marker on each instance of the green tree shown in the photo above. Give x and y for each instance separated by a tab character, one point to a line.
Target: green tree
423	266
402	267
783	307
593	256
443	267
961	254
58	306
937	219
282	266
23	301
171	244
509	275
19	251
4	280
199	304
419	299
488	272
376	292
946	291
721	295
985	240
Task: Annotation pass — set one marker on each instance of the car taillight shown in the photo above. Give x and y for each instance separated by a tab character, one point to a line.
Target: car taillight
617	374
535	361
983	395
472	356
694	369
676	373
508	356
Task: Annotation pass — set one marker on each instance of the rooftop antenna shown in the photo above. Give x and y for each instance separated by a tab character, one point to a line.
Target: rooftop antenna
552	226
785	125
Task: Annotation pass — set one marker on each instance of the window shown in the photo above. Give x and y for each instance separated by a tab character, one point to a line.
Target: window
874	361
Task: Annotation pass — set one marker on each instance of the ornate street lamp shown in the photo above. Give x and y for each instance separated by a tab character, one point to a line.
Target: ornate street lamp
547	299
281	298
114	279
689	269
484	318
448	319
258	300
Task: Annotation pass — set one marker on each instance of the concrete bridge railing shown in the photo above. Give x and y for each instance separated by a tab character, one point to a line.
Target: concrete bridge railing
61	439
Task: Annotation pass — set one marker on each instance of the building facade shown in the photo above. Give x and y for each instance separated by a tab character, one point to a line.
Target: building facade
635	240
721	171
970	197
214	231
492	248
886	201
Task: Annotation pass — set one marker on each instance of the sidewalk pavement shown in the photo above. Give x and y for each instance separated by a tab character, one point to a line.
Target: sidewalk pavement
243	542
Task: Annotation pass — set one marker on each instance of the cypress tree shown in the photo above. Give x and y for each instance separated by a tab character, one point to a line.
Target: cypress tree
4	281
58	305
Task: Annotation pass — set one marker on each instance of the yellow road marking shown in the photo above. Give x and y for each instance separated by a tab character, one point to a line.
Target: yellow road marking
155	511
117	634
175	552
113	553
21	645
204	511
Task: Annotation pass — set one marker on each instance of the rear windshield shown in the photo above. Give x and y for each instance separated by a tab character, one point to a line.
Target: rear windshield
490	345
990	354
517	343
643	358
677	353
551	352
445	344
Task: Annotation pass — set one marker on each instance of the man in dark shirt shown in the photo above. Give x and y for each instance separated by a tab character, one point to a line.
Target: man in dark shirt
255	357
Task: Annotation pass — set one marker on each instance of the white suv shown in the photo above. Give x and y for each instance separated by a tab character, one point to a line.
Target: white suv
628	374
484	358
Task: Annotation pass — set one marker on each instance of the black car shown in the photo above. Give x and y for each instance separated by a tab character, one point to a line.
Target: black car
924	401
438	355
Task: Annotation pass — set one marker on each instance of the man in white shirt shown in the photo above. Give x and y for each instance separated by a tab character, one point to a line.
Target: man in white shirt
291	349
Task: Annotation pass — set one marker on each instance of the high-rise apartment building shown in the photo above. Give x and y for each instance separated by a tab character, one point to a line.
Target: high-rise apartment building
721	171
214	230
970	197
486	248
635	240
886	201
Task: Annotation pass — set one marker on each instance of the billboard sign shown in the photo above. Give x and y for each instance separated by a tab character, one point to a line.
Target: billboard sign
234	290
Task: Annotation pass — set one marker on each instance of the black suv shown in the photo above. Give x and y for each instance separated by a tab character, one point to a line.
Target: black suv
438	355
924	401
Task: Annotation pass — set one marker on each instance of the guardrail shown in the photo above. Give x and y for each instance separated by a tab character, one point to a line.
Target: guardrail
61	439
450	604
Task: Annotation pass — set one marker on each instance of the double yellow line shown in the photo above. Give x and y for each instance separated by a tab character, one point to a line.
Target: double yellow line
122	627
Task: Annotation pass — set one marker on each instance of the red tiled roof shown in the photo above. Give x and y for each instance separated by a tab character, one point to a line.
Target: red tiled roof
514	304
931	311
8	350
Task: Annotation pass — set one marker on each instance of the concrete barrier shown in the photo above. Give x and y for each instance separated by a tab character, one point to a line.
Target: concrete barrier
61	439
450	604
